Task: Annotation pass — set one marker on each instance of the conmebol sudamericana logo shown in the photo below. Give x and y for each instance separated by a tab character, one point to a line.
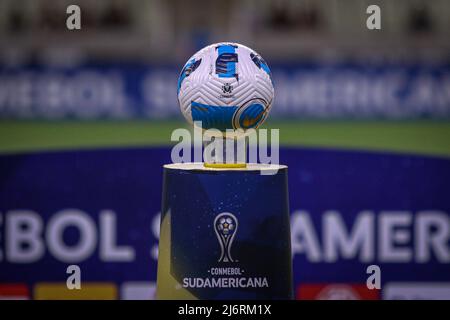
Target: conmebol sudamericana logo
225	226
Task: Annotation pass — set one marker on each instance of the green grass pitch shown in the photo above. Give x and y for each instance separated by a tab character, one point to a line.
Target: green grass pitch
419	137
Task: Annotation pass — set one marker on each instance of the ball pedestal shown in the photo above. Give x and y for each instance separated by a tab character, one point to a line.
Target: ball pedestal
225	233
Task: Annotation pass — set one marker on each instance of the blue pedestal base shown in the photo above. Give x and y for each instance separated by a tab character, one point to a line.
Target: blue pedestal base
224	234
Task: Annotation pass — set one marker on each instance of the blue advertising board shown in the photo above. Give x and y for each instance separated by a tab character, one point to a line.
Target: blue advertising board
306	90
100	210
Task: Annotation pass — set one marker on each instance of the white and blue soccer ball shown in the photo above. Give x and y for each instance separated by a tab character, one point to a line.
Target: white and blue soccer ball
226	86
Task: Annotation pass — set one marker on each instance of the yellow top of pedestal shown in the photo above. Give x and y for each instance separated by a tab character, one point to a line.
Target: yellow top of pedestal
200	166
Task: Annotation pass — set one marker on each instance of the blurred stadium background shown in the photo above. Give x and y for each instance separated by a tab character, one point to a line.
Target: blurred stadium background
338	86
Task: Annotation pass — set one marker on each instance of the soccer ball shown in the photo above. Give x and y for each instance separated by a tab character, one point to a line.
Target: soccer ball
226	86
